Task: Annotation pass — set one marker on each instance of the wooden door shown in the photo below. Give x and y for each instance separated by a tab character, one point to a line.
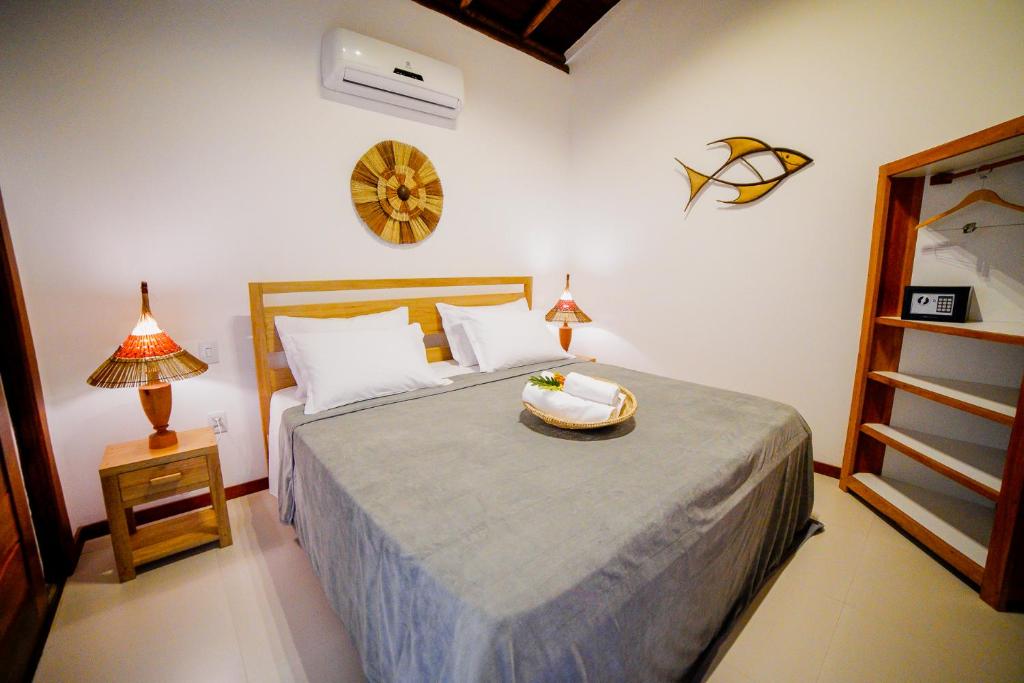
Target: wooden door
20	375
23	596
36	550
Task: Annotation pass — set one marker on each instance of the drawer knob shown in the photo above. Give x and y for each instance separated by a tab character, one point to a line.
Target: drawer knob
166	479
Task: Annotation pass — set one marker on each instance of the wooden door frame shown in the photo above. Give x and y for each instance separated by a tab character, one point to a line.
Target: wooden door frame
898	201
20	374
21	643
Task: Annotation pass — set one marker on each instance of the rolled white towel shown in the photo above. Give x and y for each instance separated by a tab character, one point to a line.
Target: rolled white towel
619	402
590	389
564	406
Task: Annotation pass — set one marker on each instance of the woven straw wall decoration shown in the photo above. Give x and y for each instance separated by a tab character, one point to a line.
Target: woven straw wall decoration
397	192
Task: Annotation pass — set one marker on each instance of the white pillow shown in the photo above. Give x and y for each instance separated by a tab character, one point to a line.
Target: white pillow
288	325
345	367
511	338
452	318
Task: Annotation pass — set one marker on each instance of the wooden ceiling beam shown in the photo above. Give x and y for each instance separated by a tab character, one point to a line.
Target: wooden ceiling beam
510	37
484	24
539	17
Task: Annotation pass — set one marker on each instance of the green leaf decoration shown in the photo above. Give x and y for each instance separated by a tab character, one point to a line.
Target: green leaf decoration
548	382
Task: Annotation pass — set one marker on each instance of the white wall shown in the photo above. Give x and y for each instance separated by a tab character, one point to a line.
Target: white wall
188	144
764	298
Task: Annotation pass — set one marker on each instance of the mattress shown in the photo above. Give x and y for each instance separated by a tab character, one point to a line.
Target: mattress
460	539
283	399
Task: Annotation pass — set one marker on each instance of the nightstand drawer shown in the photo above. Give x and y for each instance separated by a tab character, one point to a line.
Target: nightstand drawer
161	481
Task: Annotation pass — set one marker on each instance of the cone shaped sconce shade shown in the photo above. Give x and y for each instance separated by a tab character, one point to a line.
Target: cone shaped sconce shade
566	311
149	359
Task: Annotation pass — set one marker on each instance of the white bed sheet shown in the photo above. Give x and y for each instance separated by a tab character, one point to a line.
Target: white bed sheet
283	399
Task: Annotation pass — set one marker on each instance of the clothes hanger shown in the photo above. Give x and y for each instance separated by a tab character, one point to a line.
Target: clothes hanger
973	198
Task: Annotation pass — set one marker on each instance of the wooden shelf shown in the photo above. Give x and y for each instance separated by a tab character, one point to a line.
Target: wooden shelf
986	400
956	530
1003	332
170	536
984	542
977	467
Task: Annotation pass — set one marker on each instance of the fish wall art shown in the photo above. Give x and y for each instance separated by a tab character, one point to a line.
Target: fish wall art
741	149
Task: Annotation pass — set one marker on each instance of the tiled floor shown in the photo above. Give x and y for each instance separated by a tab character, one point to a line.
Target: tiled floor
857	603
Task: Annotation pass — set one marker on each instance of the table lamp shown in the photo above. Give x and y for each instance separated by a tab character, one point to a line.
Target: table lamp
566	311
149	359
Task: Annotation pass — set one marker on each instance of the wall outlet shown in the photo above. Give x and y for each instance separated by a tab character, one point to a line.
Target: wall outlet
208	352
219	421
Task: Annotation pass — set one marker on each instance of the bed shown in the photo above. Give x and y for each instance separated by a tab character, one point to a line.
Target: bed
461	539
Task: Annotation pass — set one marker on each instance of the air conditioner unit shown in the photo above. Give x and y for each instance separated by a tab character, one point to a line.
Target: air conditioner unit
357	65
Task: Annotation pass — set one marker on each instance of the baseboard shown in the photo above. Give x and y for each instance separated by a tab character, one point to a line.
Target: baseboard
826	469
158	512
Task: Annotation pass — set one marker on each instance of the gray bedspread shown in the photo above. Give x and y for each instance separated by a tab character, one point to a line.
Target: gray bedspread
461	539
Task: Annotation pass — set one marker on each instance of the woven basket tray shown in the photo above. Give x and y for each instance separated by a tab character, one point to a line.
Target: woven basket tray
628	411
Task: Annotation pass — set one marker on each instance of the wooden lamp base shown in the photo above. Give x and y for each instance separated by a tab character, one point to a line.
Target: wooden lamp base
565	336
156	401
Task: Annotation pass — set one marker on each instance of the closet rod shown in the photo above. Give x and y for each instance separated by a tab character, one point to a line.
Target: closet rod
947	177
972	227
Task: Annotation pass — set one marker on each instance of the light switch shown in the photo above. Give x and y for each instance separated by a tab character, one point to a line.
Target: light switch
219	421
208	353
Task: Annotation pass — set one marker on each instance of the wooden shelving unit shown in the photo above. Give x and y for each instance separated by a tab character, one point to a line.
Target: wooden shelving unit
957	530
985	400
977	467
985	544
1003	332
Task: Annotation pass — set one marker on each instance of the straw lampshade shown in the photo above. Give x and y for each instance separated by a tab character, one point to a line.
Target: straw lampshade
566	311
149	359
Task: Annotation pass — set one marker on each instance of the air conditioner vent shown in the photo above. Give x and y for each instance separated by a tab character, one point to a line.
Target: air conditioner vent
365	67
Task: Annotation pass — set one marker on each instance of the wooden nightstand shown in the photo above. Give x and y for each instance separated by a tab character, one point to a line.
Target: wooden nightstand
133	474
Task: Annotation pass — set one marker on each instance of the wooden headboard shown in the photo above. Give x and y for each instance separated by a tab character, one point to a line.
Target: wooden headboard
272	371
